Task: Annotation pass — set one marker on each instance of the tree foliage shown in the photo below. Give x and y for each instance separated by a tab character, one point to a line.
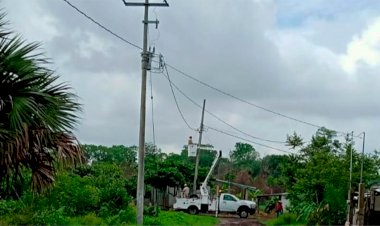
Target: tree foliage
317	178
118	154
37	114
175	169
245	157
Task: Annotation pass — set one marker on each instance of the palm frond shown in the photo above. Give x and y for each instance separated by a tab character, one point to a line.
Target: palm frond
36	114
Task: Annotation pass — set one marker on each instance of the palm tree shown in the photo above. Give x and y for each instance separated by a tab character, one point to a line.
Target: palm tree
37	115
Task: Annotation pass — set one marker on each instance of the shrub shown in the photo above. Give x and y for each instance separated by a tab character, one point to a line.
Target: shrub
9	207
88	219
124	217
149	220
99	198
77	194
50	217
17	219
152	211
285	219
101	192
110	181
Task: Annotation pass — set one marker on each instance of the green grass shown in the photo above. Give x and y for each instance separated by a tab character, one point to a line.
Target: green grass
170	218
127	218
284	219
89	219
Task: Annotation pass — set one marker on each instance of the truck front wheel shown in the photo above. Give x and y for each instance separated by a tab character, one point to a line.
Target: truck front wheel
193	210
244	213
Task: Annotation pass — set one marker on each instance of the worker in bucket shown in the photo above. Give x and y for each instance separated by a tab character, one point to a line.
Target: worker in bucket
185	191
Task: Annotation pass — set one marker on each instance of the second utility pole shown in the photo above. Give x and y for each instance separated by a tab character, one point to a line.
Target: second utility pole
198	149
144	66
361	190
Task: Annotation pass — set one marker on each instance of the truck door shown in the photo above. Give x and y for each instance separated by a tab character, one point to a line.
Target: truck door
228	203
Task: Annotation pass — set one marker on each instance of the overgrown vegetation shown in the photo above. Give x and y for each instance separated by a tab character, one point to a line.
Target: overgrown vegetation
285	219
317	177
96	194
168	218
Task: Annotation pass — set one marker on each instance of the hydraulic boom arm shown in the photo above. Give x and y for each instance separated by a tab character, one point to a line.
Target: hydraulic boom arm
204	191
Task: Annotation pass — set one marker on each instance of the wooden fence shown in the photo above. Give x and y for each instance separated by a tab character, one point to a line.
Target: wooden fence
164	198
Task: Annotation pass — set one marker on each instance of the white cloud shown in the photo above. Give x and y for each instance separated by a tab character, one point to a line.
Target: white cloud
92	45
36	17
363	49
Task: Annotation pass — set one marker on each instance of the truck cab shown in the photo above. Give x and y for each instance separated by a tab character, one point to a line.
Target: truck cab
231	204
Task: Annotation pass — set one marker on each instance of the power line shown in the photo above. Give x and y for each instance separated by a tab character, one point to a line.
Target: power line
252	104
244	139
151	98
240	99
221	120
247	134
102	26
175	100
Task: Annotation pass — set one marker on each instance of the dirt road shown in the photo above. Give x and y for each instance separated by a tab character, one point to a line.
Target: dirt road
237	221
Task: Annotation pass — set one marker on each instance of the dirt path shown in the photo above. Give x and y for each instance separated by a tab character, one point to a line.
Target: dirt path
234	220
237	221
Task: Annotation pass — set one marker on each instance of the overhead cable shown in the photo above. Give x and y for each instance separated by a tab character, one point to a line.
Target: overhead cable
240	99
247	140
220	119
175	100
102	26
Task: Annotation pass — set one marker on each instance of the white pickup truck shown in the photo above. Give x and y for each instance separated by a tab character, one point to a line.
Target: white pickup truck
226	203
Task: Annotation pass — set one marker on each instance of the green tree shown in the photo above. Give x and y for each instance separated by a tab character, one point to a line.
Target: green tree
167	170
317	177
37	115
294	140
118	154
272	168
245	157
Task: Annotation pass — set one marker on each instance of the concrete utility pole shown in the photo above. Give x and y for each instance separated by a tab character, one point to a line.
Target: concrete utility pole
352	137
144	66
349	200
360	218
361	190
361	168
199	148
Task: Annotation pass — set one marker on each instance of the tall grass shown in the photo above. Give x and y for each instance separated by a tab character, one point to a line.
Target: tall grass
285	219
169	218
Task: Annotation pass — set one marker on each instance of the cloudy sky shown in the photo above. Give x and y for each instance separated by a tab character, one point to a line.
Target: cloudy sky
317	61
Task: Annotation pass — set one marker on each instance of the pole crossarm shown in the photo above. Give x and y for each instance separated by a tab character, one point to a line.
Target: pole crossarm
165	4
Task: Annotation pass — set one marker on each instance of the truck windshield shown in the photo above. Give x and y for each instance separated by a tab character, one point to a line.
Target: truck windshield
230	198
236	198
